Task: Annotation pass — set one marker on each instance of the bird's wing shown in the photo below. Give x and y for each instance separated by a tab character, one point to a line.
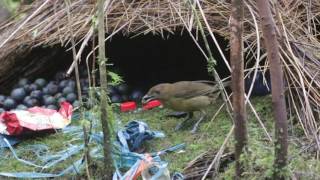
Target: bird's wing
191	89
206	82
225	83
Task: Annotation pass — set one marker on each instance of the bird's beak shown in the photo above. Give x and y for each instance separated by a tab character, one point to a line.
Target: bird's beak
147	98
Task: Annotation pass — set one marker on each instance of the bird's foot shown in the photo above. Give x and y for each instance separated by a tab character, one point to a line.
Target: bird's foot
189	116
195	126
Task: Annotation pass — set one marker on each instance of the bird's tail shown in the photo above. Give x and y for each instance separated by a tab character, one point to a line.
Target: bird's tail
225	83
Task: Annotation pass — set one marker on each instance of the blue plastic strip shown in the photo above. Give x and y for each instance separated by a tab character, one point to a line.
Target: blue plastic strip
64	155
21	160
12	140
136	131
74	168
50	160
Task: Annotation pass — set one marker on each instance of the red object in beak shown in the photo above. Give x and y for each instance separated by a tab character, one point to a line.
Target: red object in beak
128	106
152	104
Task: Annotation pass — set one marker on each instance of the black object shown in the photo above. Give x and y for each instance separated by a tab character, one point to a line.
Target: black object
63	84
85	89
84	82
71	97
9	103
59	76
83	71
27	88
123	88
67	90
52	88
2	99
30	102
124	97
45	91
112	90
18	94
49	100
37	94
26	99
22	82
259	88
71	83
51	106
136	95
33	87
58	95
21	107
116	99
61	99
40	82
44	97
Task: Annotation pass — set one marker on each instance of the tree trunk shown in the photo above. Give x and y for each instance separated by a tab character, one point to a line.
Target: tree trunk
108	167
277	87
237	65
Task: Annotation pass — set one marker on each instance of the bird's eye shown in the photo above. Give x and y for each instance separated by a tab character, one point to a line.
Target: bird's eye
157	92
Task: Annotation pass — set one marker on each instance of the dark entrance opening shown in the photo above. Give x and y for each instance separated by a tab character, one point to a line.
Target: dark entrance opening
147	60
142	61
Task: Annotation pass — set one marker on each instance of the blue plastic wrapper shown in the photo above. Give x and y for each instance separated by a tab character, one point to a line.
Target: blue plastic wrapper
128	139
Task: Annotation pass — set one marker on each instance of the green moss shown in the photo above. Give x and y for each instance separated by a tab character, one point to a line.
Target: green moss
211	134
55	142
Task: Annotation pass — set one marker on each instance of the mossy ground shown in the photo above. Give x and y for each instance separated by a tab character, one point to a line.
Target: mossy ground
210	136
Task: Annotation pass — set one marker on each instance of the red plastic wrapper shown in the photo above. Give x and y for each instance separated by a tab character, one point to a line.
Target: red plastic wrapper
128	106
35	119
152	104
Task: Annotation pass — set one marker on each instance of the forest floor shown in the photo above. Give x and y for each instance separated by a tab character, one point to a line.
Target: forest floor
210	136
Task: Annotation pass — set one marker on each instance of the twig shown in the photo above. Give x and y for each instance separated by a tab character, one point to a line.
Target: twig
216	159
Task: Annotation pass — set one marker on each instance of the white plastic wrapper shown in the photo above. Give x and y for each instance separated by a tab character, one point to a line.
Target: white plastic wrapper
35	119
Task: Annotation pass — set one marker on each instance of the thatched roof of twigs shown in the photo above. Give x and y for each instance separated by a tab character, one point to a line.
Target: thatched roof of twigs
53	22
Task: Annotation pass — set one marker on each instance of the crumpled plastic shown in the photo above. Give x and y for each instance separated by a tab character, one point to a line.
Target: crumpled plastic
147	165
135	133
16	122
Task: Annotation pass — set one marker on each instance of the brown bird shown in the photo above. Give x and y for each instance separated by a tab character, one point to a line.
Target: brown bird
186	96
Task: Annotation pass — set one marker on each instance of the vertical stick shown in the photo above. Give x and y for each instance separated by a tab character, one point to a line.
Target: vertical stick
237	77
103	99
277	87
93	71
74	53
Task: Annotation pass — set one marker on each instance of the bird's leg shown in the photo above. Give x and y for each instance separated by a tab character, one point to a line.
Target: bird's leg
195	126
189	116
